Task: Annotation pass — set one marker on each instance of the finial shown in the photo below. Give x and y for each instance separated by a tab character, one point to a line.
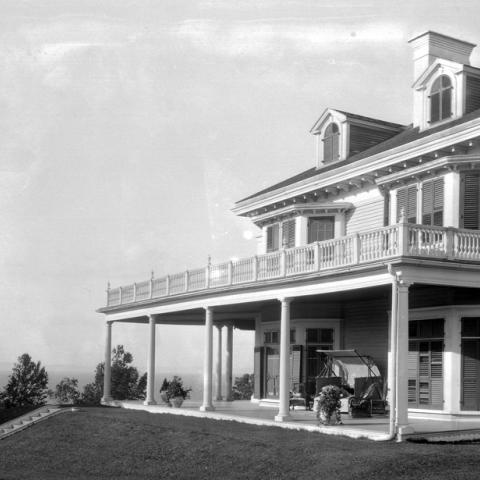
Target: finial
209	260
108	286
152	275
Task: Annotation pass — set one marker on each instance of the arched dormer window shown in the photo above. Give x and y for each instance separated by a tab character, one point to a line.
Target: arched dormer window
331	143
441	99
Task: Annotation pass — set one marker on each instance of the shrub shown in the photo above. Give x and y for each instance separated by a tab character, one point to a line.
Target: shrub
67	391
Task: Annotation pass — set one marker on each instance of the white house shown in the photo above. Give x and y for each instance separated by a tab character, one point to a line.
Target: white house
375	248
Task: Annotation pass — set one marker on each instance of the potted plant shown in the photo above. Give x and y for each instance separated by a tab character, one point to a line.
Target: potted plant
163	391
176	393
328	405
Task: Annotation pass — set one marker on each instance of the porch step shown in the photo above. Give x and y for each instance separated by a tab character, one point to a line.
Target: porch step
25	421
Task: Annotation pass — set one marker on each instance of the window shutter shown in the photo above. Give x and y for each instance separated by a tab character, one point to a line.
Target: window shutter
412	372
288	233
427	203
272	238
412	204
470	374
438	202
471	201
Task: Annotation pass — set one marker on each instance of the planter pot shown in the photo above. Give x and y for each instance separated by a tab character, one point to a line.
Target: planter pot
176	402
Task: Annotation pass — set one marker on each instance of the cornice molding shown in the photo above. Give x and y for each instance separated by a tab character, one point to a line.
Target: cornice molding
450	162
303	208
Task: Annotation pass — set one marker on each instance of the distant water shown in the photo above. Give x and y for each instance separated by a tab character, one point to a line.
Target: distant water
193	381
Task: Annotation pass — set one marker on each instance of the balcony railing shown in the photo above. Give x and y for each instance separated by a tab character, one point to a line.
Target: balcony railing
380	244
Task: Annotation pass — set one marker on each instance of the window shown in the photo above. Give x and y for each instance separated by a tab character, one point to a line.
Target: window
331	143
273	337
425	363
281	235
320	228
441	99
432	202
407	203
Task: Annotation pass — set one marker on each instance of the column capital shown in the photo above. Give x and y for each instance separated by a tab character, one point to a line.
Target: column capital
110	323
152	316
285	299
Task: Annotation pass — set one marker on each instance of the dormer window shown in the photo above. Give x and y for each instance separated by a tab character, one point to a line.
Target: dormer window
331	143
441	99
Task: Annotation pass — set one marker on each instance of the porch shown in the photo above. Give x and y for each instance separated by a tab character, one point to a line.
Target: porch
375	428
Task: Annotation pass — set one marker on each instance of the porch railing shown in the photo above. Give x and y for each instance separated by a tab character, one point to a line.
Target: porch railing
396	240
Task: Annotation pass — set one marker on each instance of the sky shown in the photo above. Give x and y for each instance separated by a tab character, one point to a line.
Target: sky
128	130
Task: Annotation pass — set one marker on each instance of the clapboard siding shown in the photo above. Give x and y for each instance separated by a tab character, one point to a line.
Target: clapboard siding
366	330
365	216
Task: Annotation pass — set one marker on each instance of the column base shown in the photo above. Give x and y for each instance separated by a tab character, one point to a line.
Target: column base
207	408
219	399
150	402
106	400
282	418
403	430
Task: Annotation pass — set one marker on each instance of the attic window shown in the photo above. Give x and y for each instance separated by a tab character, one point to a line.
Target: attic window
331	142
441	99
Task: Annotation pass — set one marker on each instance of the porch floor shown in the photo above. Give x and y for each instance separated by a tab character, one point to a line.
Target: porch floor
374	428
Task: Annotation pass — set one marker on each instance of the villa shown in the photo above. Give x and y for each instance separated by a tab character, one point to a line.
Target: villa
376	248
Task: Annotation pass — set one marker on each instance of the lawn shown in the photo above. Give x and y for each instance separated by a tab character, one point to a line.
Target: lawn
102	443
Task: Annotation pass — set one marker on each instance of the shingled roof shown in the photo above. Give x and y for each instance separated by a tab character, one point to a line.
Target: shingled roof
408	135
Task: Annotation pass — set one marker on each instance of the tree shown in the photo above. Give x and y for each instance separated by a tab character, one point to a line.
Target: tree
67	391
126	381
27	385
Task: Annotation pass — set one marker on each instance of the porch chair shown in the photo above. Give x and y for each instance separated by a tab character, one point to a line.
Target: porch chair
300	398
368	398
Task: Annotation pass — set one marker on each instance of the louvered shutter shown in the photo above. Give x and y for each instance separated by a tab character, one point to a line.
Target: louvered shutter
432	202
296	366
470	374
272	238
438	202
427	203
471	201
412	372
436	373
288	233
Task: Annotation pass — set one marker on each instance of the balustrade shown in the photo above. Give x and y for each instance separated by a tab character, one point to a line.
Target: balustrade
396	240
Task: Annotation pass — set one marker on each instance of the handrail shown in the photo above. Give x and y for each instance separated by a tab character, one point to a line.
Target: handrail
402	239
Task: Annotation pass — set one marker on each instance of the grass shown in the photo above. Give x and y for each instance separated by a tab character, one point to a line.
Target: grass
103	443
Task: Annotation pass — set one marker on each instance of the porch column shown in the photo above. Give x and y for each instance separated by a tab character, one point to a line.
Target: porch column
284	410
150	400
107	372
402	359
229	363
218	364
207	364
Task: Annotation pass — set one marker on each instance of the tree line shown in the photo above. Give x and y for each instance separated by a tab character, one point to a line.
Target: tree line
28	383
